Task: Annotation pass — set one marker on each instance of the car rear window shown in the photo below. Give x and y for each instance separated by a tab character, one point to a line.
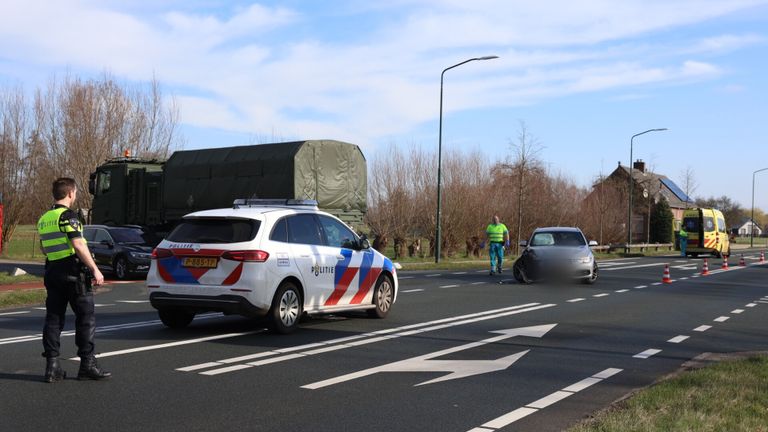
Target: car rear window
215	230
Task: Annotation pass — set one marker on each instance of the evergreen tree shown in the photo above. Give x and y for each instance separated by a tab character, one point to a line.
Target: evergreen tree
661	222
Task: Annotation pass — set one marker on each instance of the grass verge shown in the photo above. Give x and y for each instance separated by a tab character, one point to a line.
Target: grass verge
21	298
727	396
6	279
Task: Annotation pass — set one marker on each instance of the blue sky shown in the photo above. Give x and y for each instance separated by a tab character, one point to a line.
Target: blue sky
583	75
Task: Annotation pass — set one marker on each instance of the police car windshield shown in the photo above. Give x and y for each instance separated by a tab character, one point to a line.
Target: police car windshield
214	230
558	238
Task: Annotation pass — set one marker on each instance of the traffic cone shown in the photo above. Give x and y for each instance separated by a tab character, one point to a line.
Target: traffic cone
741	262
666	278
762	256
705	268
725	263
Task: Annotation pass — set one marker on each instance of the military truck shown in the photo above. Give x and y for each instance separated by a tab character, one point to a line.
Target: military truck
156	194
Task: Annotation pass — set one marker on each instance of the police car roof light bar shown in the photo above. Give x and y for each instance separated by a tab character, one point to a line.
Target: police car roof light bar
268	202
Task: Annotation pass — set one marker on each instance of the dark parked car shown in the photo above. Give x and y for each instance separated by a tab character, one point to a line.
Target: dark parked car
123	250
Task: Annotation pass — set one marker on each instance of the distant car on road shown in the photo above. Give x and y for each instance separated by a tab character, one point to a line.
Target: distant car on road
122	250
556	253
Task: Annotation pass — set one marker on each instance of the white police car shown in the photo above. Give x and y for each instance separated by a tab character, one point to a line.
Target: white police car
274	258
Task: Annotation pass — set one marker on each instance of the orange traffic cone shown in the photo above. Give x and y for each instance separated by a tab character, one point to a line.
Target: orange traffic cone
666	278
705	268
725	263
762	256
741	262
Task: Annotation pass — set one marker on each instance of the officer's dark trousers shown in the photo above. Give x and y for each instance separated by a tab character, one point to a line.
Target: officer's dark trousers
60	293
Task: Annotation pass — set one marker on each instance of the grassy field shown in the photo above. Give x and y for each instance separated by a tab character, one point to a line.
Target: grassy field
758	241
6	279
24	245
727	396
21	298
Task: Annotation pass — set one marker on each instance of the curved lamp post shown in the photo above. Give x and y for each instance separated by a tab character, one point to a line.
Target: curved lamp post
629	183
752	219
440	151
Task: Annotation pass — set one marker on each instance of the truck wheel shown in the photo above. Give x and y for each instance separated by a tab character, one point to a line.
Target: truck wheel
175	318
286	308
383	295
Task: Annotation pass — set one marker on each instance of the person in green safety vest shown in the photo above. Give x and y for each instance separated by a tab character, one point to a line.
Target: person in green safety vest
683	234
497	237
67	281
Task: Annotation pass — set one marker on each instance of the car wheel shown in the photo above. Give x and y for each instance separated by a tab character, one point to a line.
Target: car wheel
383	296
286	308
518	272
175	318
593	277
120	267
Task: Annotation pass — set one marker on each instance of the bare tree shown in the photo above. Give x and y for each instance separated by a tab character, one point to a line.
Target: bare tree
688	182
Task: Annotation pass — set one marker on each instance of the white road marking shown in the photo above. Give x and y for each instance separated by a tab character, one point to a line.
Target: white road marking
405	277
678	261
172	344
576	300
678	339
14	313
647	353
762	301
601	295
397	332
459	273
39	308
621	290
448	286
641	286
412	290
132	301
482	271
634	266
737	311
656	283
751	305
722	319
614	264
684	278
433	275
702	328
544	402
478	283
103	304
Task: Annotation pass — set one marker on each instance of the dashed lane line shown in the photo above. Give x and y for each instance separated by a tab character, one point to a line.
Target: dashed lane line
634	266
448	286
601	295
132	301
750	305
702	328
641	286
412	290
722	319
647	353
621	290
433	275
14	313
546	401
575	300
737	311
678	339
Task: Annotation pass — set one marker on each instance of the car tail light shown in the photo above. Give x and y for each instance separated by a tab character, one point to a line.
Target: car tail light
246	256
158	253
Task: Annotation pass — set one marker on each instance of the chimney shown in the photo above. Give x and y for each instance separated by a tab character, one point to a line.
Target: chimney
639	165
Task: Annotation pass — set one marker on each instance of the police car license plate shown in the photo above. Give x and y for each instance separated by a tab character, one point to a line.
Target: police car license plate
200	262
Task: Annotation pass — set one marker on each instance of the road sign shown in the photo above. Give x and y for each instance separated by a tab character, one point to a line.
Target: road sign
456	368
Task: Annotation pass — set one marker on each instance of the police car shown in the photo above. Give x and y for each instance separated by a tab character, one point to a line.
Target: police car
273	258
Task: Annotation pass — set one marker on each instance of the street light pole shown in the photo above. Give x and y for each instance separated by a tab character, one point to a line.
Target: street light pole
629	183
752	219
440	151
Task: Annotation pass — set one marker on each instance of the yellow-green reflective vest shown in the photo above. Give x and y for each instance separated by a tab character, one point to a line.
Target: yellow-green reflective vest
683	233
53	237
496	232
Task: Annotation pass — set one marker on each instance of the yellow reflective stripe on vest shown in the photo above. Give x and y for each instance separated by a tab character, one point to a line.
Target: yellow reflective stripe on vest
496	232
55	243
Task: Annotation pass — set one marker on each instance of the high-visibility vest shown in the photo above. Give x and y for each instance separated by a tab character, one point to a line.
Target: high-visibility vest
683	233
53	237
496	232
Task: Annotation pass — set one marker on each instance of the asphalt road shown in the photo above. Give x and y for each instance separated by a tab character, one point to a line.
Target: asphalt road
460	351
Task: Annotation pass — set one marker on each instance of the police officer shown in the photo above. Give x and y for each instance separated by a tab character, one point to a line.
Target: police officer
497	236
683	234
66	259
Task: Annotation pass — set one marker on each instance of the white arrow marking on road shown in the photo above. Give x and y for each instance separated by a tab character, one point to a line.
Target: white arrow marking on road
457	368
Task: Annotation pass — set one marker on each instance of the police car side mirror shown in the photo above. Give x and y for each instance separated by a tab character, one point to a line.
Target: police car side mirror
364	244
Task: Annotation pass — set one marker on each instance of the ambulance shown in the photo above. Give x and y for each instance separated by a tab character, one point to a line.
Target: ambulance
707	233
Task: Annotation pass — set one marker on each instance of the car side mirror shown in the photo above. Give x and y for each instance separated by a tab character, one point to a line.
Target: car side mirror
592	243
523	243
364	244
107	243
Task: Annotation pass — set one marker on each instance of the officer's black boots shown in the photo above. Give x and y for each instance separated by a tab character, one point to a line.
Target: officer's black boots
89	369
53	370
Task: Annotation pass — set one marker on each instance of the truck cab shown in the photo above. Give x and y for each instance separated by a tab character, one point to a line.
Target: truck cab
127	191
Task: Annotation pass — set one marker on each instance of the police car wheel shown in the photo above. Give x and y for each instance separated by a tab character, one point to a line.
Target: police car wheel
383	295
120	268
286	308
175	318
